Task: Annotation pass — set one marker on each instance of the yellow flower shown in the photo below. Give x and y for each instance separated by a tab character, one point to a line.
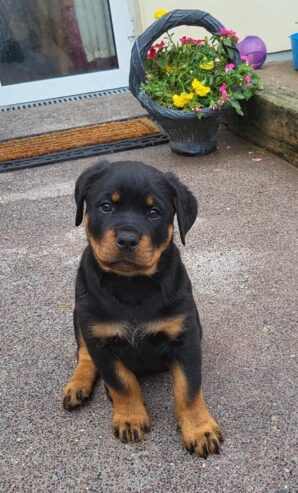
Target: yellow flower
200	89
181	100
160	12
168	69
207	65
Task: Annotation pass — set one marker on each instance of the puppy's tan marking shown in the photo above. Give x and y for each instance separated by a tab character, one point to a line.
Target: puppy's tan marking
106	330
152	255
80	386
130	418
172	327
115	196
201	434
150	201
105	250
143	261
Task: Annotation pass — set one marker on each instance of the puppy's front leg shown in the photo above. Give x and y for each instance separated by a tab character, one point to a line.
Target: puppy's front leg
80	386
201	434
130	418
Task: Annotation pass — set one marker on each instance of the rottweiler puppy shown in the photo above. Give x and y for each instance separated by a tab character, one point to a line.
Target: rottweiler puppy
134	309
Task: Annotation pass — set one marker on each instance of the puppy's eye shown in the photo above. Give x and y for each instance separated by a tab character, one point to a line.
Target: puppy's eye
154	213
105	207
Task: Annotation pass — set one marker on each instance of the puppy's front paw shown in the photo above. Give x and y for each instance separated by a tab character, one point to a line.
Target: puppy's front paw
131	427
76	392
202	438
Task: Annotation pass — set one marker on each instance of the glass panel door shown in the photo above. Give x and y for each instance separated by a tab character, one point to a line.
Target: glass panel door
60	40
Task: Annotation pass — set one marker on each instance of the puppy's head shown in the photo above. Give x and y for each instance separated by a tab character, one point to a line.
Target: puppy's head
130	209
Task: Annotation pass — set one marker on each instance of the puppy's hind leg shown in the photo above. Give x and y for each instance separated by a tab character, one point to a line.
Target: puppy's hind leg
80	386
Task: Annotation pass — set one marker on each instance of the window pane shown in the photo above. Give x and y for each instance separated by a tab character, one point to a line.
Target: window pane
42	39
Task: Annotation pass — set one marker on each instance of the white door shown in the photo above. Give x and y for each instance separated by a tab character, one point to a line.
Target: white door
56	48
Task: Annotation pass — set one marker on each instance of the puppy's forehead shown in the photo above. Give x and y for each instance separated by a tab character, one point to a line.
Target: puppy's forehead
133	179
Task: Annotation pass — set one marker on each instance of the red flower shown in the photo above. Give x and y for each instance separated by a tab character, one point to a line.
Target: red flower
151	53
159	46
184	40
155	49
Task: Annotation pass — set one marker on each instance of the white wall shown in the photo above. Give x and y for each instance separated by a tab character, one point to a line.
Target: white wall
272	20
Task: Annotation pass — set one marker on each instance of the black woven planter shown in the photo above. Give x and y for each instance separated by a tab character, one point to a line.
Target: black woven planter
188	134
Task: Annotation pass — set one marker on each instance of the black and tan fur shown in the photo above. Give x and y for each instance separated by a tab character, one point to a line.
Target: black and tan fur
134	309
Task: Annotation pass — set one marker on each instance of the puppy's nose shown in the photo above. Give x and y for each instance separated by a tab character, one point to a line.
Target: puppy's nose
127	240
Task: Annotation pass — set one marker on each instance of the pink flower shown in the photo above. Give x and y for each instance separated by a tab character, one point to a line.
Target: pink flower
248	59
224	32
223	87
223	90
229	67
198	109
229	34
247	79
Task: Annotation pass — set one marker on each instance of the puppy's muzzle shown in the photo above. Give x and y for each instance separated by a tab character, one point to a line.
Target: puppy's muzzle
127	241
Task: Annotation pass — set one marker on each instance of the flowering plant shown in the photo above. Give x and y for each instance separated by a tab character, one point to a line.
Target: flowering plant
198	73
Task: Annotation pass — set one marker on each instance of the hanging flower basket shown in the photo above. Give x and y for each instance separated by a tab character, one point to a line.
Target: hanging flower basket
191	130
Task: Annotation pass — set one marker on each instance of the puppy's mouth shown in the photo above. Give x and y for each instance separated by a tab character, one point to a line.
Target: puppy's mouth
142	261
125	265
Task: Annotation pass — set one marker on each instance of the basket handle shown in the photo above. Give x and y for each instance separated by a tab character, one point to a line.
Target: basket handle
168	21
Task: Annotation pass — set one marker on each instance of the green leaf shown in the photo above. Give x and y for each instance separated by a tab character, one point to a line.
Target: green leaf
236	105
231	52
238	95
247	93
227	42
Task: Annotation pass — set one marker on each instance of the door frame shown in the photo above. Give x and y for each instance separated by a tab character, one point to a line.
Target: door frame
71	85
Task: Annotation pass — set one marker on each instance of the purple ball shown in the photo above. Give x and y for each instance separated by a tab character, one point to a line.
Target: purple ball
255	49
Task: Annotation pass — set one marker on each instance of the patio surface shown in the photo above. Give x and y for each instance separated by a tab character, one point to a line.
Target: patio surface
241	256
281	75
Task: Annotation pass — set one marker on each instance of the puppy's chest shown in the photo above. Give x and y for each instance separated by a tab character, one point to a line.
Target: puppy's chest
131	294
133	331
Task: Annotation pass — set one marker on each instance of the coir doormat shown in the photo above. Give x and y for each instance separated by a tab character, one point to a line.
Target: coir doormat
79	142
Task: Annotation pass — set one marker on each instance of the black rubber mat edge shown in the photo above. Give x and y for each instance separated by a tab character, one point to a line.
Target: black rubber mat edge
83	152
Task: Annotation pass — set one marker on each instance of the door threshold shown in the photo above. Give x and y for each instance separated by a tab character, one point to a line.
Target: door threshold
64	99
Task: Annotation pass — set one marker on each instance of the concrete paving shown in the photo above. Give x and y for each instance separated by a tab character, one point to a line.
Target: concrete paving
25	122
242	258
281	75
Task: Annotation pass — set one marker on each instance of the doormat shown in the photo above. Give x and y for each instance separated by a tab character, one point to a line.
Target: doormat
79	142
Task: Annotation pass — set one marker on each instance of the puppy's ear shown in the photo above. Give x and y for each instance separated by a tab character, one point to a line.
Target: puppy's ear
83	184
185	203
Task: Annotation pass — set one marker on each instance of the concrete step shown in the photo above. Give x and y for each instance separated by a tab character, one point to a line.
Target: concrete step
271	117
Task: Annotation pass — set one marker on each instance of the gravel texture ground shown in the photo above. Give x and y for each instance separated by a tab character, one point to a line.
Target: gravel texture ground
242	258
